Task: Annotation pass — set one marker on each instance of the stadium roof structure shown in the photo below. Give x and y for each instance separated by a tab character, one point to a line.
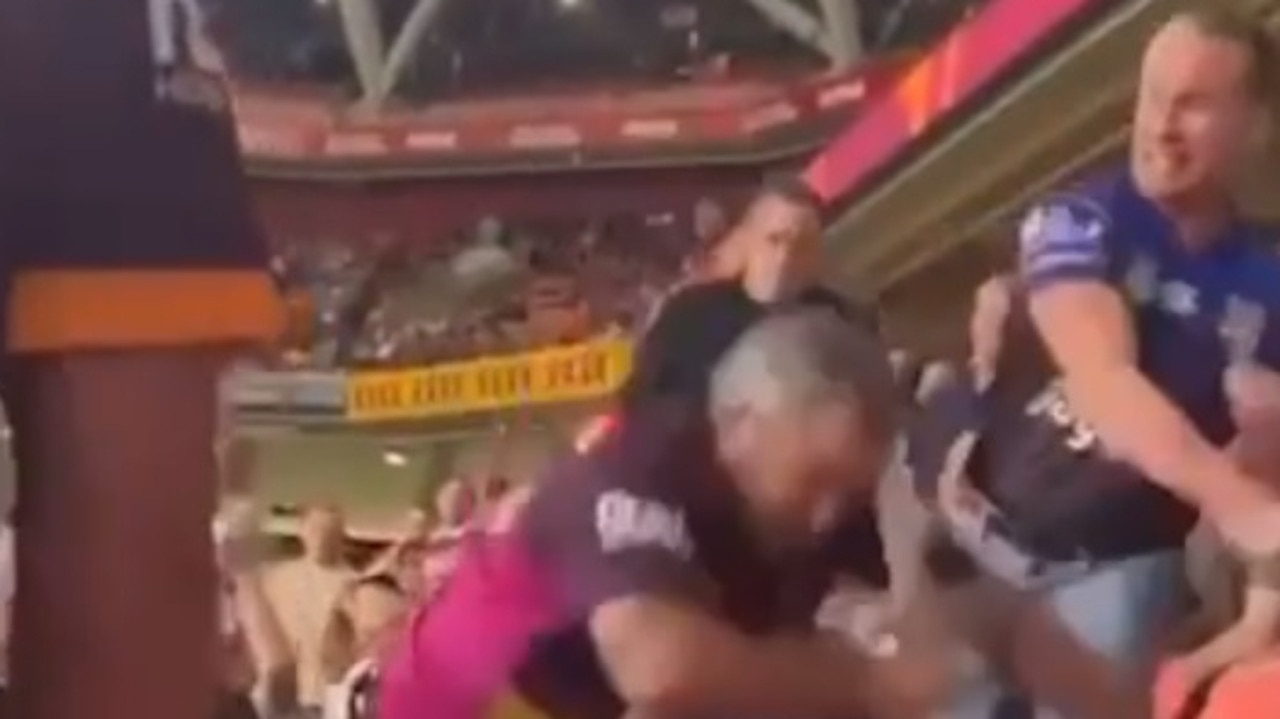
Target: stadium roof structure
388	89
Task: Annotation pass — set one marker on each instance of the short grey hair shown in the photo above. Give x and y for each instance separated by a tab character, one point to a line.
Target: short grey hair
804	357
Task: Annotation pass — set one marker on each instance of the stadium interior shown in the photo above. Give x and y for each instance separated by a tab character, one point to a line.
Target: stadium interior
905	232
448	181
429	205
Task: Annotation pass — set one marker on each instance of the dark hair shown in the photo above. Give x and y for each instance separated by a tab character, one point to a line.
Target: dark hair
1230	24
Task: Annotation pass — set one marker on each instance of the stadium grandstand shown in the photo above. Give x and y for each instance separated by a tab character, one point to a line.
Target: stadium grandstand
444	182
470	214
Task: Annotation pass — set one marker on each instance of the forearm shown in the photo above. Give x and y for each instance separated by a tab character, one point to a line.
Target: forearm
263	633
1139	424
1256	630
813	676
1236	643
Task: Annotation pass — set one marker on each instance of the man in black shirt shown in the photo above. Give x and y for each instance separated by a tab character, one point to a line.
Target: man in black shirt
776	247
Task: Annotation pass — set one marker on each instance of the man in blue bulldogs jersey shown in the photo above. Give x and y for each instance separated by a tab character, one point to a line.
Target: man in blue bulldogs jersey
1147	285
1099	439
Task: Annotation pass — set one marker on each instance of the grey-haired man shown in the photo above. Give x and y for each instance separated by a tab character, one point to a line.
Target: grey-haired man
674	569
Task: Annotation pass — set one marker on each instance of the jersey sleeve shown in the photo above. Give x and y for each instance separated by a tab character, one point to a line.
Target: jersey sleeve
1063	238
604	542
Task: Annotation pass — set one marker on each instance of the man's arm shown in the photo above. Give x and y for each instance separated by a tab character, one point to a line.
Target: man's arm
629	564
1088	331
668	659
1254	632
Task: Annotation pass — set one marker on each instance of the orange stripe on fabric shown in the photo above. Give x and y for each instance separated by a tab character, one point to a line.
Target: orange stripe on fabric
52	310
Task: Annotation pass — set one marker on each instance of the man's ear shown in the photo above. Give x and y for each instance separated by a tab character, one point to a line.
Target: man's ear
737	432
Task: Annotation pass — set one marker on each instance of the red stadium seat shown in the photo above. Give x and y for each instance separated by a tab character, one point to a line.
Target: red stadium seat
1248	691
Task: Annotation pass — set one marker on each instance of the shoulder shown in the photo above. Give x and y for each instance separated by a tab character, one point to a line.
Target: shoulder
1065	217
1095	202
644	467
847	307
1073	234
688	306
703	293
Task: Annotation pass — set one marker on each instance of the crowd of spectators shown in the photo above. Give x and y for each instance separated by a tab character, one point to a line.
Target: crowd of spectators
303	630
498	288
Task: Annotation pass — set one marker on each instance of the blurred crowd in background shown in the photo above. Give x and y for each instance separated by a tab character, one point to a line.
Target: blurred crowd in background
493	289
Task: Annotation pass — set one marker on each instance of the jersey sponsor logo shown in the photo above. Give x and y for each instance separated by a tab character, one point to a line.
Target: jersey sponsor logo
1066	232
625	521
1179	298
1241	327
1052	405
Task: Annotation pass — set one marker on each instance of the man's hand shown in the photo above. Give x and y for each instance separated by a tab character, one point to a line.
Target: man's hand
666	658
238	536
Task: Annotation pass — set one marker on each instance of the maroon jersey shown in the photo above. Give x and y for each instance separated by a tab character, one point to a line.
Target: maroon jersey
646	512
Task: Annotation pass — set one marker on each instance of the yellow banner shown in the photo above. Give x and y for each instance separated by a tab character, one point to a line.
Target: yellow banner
591	370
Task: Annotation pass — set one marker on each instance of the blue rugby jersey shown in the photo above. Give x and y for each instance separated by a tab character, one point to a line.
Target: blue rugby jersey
1194	312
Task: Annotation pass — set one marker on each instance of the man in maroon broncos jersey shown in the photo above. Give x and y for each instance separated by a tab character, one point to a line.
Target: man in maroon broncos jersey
131	267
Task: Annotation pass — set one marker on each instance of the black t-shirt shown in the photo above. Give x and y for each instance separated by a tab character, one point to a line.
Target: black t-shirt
1059	491
697	325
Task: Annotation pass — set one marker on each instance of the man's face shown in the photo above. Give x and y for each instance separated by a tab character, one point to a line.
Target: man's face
782	240
322	533
1195	115
804	468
